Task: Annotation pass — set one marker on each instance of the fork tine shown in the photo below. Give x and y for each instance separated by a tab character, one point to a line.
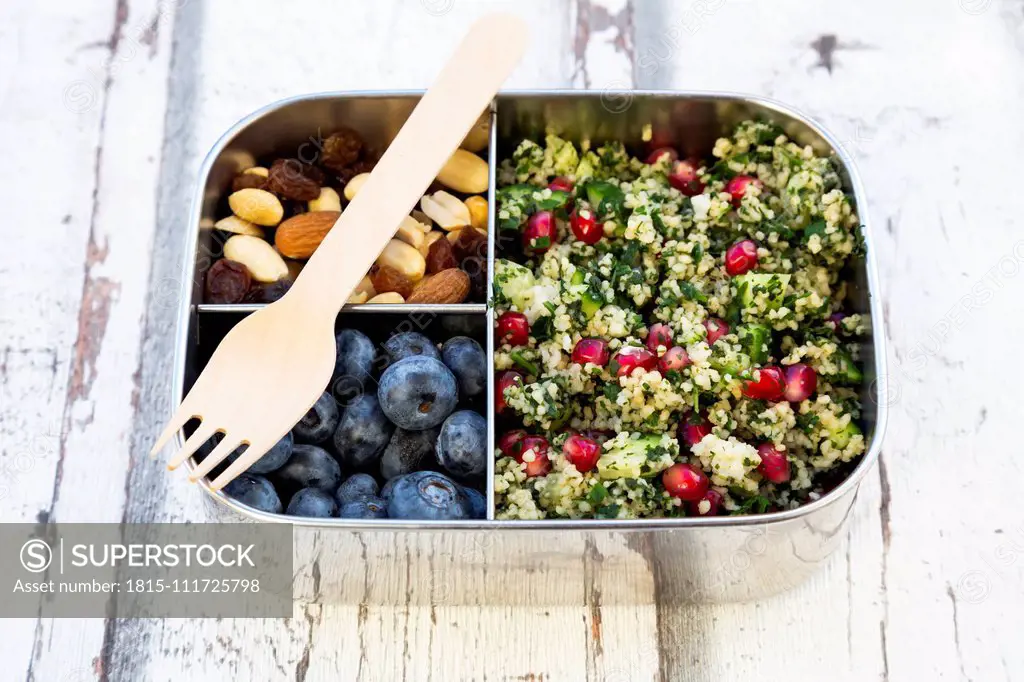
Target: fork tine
174	424
206	429
240	465
219	454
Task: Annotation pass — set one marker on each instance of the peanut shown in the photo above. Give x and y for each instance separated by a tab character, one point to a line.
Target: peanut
446	210
423	219
257	206
257	170
264	263
409	231
465	172
357	297
390	297
365	286
479	135
352	188
404	258
238	226
327	201
477	206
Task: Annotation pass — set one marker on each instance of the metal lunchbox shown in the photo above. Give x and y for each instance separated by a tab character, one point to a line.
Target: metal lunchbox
683	560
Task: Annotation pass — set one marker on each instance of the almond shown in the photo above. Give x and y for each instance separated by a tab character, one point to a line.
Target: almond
447	286
299	236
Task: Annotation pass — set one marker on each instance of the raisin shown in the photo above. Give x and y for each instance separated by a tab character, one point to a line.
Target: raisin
476	268
292	179
227	281
342	149
269	292
440	257
470	243
386	278
248	181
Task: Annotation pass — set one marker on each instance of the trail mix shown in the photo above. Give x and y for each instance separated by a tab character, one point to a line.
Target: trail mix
672	334
280	213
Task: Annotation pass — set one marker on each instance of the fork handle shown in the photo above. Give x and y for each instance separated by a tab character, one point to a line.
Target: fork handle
436	127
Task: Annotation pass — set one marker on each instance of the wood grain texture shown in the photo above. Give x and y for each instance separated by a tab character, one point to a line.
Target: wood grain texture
114	103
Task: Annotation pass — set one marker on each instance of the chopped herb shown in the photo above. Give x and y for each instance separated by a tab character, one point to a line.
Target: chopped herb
692	293
597	494
521	361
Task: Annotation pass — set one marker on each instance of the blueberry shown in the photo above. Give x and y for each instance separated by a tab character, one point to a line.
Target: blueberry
356	354
256	492
466	359
274	458
385	492
309	467
313	503
477	502
417	393
319	423
357	487
462	446
407	344
406	451
365	508
427	495
363	432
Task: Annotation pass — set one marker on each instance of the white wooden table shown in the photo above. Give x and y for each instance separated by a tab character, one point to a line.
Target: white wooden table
106	109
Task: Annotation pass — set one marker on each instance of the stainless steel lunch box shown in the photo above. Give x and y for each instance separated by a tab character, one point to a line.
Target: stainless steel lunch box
668	560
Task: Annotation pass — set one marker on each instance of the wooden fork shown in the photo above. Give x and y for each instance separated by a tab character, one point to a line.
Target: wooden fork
274	364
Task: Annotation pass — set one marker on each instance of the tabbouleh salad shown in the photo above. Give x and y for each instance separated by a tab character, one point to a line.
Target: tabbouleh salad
671	334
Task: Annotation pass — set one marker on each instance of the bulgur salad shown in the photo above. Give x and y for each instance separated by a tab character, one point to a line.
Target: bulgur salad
671	333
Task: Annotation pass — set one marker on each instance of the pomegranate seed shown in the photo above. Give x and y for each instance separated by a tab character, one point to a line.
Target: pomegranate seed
768	384
741	257
683	176
801	382
774	466
540	464
594	351
737	187
674	359
631	357
560	184
693	432
713	498
514	328
540	232
509	440
660	153
685	481
506	379
659	335
716	329
582	452
585	228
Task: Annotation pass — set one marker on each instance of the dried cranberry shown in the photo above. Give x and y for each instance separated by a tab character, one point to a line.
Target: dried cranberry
227	281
